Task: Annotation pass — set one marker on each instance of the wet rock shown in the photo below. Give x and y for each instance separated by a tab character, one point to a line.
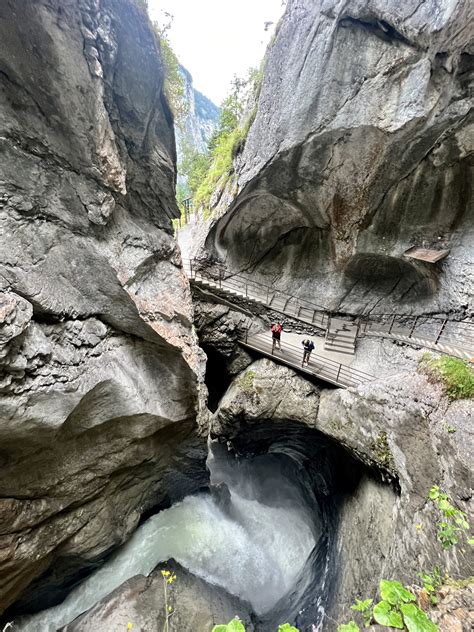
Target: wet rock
397	428
196	605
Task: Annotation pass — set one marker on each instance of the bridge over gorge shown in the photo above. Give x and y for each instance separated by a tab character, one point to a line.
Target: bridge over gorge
341	333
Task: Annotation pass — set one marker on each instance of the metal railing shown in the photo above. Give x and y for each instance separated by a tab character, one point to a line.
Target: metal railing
320	366
431	329
291	305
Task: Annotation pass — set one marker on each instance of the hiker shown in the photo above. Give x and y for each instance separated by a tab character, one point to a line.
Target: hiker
276	335
308	346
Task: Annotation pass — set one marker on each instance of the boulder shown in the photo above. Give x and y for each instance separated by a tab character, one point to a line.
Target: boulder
196	605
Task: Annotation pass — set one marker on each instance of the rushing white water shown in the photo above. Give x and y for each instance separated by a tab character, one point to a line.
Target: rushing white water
255	551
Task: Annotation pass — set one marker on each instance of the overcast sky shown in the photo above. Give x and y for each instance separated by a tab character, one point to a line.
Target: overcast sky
217	39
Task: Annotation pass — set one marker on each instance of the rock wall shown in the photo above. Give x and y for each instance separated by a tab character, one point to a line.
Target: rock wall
397	426
360	149
99	368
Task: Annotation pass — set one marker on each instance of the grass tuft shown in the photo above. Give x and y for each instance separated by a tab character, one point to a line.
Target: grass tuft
456	375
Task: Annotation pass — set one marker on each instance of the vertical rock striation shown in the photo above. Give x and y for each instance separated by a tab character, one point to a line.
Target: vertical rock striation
99	369
361	148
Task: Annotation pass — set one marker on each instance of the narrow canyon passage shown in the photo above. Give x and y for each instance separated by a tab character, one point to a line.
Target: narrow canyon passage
152	235
265	531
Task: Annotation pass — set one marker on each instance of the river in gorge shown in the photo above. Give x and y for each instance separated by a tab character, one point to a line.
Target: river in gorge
260	533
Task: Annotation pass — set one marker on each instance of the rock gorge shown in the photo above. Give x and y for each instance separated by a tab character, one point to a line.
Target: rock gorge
360	148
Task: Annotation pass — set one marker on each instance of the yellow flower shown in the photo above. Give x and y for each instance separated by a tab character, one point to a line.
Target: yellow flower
419	526
170	608
129	625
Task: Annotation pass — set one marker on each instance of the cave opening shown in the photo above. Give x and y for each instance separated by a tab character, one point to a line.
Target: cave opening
217	378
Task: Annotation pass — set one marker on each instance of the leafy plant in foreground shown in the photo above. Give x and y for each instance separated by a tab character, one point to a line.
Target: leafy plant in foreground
397	609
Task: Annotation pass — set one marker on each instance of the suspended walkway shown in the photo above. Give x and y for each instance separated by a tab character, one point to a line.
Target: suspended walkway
320	366
340	334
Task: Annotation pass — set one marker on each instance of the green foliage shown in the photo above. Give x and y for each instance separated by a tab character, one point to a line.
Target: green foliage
431	583
382	452
394	593
364	608
386	614
193	167
454	524
174	83
456	376
286	627
233	626
228	139
348	627
449	429
415	619
174	86
246	381
396	610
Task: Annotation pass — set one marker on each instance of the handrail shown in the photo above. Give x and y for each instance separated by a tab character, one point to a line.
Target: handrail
329	369
196	270
453	332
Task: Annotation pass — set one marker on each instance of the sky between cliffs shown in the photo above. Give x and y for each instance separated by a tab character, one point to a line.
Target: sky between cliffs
217	39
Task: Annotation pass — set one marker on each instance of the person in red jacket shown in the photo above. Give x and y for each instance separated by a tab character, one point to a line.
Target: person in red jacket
276	336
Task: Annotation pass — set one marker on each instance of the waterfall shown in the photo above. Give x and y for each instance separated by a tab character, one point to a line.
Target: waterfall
252	536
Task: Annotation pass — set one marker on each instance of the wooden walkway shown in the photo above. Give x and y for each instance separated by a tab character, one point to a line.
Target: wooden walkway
446	336
322	367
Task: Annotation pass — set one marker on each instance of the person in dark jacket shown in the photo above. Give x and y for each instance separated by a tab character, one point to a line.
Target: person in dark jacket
308	346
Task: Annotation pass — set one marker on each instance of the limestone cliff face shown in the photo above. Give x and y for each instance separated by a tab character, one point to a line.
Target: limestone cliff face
361	148
98	365
200	120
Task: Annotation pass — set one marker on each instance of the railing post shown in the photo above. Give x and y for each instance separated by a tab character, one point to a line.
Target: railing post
391	324
441	331
338	371
190	268
246	292
413	327
220	277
